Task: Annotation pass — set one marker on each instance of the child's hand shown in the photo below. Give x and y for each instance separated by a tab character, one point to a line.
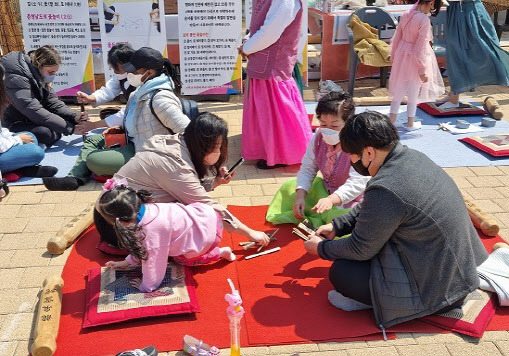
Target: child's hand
135	283
323	205
259	237
117	264
424	78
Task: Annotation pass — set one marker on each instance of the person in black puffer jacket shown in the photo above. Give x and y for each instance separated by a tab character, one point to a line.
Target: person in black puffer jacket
34	106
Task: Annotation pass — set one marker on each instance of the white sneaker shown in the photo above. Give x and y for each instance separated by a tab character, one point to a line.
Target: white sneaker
417	126
449	105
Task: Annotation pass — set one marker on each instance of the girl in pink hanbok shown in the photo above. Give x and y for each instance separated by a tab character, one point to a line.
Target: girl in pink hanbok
415	73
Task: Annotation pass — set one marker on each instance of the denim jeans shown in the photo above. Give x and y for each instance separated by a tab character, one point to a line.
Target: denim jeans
26	155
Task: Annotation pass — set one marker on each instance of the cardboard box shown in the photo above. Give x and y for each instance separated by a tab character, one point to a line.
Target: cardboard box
171	7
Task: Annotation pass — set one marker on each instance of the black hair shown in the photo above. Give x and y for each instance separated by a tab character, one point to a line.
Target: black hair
437	4
201	137
368	129
123	204
4	100
171	71
337	104
155	5
120	53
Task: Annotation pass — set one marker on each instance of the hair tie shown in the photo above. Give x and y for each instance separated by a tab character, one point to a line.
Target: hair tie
113	183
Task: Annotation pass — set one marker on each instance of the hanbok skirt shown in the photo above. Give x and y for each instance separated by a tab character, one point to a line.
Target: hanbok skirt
474	56
275	124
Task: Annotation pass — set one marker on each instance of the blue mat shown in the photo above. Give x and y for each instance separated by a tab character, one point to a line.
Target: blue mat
441	146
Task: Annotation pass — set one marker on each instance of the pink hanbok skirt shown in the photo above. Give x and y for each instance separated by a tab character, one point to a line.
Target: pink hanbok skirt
275	124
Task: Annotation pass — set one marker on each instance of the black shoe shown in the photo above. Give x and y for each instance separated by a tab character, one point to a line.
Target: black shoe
39	171
63	183
147	351
262	164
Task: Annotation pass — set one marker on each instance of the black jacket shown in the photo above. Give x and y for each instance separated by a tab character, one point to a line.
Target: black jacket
31	101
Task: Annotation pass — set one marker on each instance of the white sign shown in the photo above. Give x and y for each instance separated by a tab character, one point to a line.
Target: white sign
139	23
64	25
209	34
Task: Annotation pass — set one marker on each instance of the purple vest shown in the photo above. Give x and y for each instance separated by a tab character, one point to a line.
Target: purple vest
277	60
341	171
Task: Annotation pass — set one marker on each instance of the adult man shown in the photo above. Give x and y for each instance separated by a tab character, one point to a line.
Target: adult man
413	250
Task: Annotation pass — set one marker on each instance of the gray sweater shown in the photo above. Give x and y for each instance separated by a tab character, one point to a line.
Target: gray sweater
414	227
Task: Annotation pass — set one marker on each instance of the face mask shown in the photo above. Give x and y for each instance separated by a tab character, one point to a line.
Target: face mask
121	76
135	79
212	158
49	78
330	136
360	168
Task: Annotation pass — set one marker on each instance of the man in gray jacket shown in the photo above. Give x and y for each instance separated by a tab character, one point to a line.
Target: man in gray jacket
413	250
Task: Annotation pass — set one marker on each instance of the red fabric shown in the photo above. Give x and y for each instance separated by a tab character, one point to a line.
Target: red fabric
110	249
432	109
93	318
12	176
483	147
101	179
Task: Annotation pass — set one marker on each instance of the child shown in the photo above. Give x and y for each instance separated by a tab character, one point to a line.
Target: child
314	197
415	71
153	232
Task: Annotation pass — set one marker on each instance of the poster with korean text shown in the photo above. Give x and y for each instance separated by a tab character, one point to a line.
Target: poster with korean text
139	23
209	34
65	26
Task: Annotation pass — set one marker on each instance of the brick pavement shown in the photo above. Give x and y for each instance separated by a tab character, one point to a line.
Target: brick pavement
31	215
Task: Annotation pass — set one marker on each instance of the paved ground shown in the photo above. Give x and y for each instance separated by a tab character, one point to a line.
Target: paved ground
31	215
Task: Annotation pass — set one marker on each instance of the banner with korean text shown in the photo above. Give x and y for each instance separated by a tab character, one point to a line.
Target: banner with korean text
209	34
64	25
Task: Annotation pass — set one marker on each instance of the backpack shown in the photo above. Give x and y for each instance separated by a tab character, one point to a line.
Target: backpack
189	108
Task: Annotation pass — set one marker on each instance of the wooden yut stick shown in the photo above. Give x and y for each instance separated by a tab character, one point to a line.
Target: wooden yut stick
48	317
68	234
275	249
482	220
299	234
306	229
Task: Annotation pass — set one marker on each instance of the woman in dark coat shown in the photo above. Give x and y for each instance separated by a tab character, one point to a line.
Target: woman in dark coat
34	106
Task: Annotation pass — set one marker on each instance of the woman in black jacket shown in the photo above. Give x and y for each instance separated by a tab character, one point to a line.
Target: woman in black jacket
34	106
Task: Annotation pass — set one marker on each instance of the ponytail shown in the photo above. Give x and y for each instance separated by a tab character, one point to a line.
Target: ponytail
171	71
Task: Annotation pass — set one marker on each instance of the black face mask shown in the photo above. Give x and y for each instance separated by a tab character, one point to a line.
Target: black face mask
360	168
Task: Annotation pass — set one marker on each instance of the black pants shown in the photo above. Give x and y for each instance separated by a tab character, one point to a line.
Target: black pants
351	278
105	230
44	134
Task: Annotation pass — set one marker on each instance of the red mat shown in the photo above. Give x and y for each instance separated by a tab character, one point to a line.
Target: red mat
285	296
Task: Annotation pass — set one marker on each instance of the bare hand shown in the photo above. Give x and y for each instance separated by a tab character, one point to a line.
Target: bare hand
326	231
84	98
113	130
117	264
323	205
241	52
83	116
299	207
223	177
311	245
424	78
83	128
259	237
26	138
135	283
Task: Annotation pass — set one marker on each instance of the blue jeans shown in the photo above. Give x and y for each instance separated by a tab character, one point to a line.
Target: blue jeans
26	155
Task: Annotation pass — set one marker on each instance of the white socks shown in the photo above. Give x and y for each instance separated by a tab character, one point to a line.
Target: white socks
344	303
226	253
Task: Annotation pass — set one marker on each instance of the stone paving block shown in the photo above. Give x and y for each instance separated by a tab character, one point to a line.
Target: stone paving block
504	191
17	327
462	182
502	218
489	206
59	260
424	338
23	348
466	349
495	335
484	193
39	210
223	191
253	351
502	203
485	181
373	351
9	211
487	171
70	209
5	258
22	241
30	258
334	346
240	180
270	189
319	353
265	200
423	350
503	347
10	277
242	201
44	224
504	169
34	276
261	180
86	196
503	179
8	348
401	339
18	300
247	191
459	172
50	197
13	225
290	349
24	198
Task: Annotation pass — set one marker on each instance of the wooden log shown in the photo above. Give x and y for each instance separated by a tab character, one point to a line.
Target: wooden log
482	220
373	101
48	317
493	107
68	234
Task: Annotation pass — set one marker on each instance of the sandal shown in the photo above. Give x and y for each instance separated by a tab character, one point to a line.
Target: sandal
196	347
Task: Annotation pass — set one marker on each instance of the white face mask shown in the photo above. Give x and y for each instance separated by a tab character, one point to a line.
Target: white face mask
120	76
135	79
330	136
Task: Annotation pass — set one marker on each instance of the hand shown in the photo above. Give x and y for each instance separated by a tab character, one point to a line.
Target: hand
84	98
311	245
83	128
26	138
113	130
83	116
241	52
299	206
259	237
424	78
135	283
223	177
326	231
323	205
117	264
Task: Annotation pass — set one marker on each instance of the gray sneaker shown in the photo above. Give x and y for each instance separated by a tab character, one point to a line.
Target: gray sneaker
147	351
